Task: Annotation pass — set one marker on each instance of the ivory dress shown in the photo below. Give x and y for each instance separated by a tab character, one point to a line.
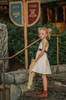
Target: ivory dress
42	65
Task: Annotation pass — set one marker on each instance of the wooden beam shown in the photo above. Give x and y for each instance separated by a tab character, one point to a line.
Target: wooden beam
6	87
4	3
48	12
56	15
57	56
3	80
63	13
25	34
56	35
51	15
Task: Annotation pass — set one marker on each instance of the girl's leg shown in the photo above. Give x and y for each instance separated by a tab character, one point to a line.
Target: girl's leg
44	77
45	92
44	83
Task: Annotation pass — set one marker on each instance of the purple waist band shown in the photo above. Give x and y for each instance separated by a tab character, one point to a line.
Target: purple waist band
44	51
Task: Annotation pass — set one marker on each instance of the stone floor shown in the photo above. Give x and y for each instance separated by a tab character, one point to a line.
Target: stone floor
56	88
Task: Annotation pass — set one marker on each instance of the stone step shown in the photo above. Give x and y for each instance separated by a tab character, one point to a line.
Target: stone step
62	68
61	77
7	92
21	99
55	93
57	88
53	87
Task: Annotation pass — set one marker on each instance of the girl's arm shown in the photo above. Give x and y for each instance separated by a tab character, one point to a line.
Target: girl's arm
44	44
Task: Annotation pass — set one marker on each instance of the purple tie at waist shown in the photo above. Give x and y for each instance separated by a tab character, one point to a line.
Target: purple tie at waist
46	52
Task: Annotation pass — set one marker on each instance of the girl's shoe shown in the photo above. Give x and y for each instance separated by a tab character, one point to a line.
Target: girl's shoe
40	92
44	94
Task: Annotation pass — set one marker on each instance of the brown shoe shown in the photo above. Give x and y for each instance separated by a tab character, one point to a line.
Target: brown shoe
44	94
40	92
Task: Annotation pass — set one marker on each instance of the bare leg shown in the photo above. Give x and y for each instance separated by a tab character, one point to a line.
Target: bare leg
44	81
45	91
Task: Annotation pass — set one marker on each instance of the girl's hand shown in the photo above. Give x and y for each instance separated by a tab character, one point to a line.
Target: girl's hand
33	60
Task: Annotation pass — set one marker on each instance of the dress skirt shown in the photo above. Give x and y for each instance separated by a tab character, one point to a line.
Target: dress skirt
42	66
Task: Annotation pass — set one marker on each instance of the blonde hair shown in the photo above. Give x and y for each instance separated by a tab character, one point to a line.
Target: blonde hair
48	31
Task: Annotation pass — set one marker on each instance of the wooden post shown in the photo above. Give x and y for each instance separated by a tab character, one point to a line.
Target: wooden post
48	12
63	13
57	56
50	15
55	15
3	81
25	34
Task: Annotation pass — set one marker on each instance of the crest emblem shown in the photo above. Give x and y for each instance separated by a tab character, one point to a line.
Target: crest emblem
15	13
33	12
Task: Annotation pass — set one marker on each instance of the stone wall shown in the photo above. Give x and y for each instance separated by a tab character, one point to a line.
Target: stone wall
3	46
18	80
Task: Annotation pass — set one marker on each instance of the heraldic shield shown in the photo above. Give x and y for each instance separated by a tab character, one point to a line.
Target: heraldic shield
33	12
15	13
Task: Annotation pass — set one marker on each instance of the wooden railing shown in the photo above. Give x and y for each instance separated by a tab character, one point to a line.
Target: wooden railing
19	53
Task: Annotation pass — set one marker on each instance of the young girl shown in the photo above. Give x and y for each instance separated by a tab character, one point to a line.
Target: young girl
42	65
